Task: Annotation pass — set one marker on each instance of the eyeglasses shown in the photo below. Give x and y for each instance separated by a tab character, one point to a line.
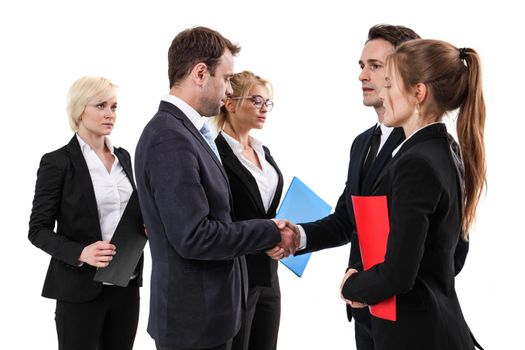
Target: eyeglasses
258	101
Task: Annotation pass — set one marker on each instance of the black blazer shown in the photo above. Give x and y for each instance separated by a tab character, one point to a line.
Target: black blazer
424	202
64	194
338	228
247	204
198	278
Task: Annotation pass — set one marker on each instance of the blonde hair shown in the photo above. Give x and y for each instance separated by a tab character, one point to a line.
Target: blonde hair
83	91
241	83
453	76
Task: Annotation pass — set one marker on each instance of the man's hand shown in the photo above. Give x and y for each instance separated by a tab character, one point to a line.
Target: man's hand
290	240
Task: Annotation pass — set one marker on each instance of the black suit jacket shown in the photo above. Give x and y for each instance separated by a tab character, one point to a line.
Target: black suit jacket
64	194
247	204
198	279
338	228
424	202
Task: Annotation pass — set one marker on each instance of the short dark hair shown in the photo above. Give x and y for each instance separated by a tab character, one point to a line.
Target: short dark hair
396	35
195	45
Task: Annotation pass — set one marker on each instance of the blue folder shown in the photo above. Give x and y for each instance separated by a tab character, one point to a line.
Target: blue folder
301	204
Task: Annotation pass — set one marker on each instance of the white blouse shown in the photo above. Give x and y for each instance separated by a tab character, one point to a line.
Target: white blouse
112	189
266	178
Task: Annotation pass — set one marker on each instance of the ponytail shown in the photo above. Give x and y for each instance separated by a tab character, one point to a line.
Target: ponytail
471	130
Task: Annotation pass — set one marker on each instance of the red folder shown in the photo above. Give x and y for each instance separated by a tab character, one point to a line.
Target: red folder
373	226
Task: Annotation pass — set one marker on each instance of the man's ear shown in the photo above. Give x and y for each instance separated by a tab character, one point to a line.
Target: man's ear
199	73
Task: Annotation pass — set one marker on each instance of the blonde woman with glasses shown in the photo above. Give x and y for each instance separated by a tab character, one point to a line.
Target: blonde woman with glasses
256	185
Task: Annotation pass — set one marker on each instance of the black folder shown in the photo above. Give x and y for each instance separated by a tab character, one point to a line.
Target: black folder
130	239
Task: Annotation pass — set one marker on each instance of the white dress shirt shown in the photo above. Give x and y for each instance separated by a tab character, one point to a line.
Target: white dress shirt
266	177
194	116
385	134
112	189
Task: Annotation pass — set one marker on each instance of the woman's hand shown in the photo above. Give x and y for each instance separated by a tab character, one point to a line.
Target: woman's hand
98	254
353	304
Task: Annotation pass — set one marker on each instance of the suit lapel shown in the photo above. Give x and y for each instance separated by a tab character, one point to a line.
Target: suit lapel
196	133
83	178
429	132
125	165
177	113
279	190
231	161
361	152
384	156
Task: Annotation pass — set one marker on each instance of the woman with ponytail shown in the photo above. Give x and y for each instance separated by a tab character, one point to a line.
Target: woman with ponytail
432	188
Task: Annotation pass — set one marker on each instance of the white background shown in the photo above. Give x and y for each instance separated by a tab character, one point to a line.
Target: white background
309	50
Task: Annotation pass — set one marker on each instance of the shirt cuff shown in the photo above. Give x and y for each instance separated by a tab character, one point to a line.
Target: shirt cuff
302	244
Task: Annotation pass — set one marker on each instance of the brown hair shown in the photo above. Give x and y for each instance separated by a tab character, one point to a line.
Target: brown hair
395	35
241	84
453	78
195	45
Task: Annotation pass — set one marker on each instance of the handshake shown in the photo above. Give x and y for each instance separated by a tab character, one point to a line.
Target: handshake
290	240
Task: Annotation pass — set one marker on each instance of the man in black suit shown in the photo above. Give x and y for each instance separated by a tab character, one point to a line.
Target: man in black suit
198	280
339	228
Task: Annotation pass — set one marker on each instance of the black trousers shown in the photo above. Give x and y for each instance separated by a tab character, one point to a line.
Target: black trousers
226	346
363	337
260	327
107	323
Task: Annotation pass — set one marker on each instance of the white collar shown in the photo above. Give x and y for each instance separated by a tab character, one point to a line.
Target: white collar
85	147
190	112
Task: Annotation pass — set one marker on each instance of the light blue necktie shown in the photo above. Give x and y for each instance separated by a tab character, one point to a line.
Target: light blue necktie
205	131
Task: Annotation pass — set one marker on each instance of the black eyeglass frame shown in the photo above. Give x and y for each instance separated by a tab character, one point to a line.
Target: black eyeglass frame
257	100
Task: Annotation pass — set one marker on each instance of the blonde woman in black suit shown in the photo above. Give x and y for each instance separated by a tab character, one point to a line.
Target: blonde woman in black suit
431	195
83	188
256	184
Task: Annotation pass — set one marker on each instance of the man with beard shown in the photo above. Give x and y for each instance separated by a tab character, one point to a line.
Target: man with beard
198	279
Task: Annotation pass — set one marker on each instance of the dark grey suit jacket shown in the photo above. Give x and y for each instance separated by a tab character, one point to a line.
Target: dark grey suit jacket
198	280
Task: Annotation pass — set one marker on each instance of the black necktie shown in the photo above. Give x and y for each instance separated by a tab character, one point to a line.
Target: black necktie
374	147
